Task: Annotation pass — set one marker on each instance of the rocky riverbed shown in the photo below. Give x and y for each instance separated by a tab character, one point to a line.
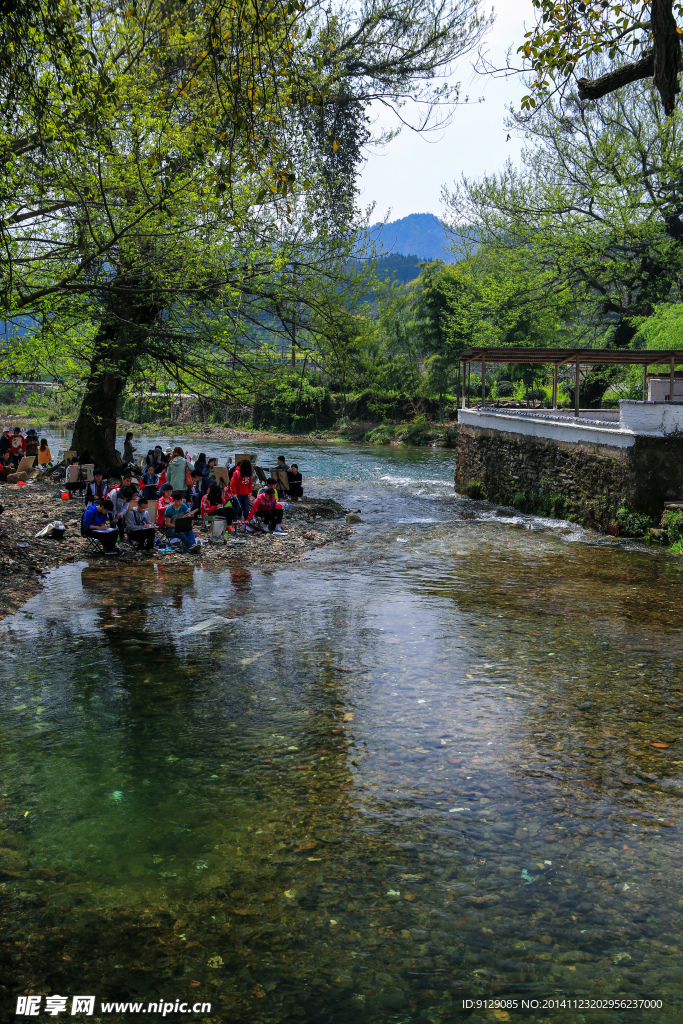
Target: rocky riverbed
308	524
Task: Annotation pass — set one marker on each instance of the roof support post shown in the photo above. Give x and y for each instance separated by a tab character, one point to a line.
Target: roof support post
671	380
645	382
483	380
464	378
576	387
555	386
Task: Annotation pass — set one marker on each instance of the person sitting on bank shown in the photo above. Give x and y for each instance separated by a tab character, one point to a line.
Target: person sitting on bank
165	499
149	483
270	482
241	486
295	480
6	464
77	481
98	486
200	464
120	499
94	523
198	489
217	504
282	466
269	511
126	481
140	530
212	500
178	511
44	453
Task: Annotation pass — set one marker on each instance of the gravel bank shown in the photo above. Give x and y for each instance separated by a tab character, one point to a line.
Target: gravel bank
308	524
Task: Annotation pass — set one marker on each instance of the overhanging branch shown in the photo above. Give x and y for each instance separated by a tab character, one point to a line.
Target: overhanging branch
596	88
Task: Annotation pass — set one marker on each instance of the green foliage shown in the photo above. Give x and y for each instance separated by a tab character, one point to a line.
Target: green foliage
475	490
632	524
590	222
672	521
295	404
384	434
663	329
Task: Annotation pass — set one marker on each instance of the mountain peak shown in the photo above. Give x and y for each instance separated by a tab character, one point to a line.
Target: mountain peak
418	234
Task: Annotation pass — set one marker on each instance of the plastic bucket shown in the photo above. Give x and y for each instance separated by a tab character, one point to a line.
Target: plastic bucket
65	495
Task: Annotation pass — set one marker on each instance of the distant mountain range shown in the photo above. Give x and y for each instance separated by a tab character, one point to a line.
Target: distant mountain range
418	234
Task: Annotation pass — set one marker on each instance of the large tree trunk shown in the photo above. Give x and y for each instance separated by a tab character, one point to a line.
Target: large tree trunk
95	429
116	349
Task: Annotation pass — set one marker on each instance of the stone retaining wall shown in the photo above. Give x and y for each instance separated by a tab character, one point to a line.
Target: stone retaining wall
591	480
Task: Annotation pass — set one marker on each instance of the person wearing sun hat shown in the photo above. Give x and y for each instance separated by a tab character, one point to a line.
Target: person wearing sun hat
31	442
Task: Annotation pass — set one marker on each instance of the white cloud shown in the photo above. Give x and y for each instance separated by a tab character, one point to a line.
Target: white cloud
407	175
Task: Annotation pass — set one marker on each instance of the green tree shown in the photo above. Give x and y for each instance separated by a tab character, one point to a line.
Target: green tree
156	175
595	210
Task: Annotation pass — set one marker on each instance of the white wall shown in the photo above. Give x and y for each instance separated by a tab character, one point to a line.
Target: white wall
566	430
655	419
658	389
650	417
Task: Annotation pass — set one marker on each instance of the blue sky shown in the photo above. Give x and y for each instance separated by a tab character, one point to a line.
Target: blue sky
407	176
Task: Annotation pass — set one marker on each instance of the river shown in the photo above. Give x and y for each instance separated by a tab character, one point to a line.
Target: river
438	763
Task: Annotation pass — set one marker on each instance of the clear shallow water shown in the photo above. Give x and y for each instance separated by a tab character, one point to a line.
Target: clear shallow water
414	770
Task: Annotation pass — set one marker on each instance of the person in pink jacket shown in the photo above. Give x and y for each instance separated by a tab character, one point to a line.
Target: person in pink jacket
269	511
165	499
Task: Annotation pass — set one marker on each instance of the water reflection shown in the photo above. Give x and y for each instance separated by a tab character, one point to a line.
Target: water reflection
397	776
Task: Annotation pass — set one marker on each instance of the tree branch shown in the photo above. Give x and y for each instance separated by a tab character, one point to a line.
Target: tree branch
595	88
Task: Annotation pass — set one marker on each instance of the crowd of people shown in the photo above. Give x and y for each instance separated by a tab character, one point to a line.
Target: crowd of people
14	446
187	495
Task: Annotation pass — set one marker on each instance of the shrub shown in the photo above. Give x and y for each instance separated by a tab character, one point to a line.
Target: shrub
632	524
383	434
475	490
672	521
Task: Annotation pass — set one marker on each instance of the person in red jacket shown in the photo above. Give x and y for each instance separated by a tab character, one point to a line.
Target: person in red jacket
17	446
269	510
241	486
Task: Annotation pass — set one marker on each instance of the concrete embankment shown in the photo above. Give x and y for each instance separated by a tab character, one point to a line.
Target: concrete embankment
588	476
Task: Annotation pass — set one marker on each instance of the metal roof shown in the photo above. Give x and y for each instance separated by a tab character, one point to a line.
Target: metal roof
586	356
